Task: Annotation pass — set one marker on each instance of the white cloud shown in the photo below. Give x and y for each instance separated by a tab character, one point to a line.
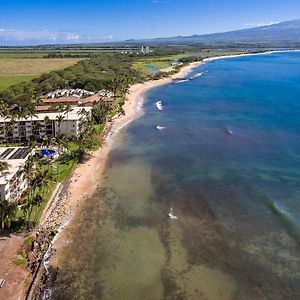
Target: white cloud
107	37
258	24
73	37
37	36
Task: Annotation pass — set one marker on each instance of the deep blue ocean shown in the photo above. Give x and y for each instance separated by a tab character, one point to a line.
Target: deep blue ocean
238	123
227	161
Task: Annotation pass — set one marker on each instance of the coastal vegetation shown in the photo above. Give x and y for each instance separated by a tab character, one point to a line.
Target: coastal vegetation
91	74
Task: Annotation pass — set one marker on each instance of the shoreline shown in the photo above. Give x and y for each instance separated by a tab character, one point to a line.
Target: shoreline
87	176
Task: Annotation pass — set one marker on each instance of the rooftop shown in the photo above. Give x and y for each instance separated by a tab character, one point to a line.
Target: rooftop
93	98
16	158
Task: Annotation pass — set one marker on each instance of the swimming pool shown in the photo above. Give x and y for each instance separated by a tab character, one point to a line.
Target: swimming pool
47	152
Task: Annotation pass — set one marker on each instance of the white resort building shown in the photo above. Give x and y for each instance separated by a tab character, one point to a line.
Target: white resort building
50	124
13	181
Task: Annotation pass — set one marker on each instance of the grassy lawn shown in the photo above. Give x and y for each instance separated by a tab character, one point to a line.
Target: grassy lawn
99	128
13	71
162	62
148	64
21	260
59	170
33	66
7	81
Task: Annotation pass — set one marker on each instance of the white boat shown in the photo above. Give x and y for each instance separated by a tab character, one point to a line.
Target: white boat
172	215
160	127
159	105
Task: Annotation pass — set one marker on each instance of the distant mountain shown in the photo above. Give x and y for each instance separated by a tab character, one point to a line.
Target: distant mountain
284	34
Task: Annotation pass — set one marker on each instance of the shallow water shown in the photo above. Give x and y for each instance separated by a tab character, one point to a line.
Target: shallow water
228	164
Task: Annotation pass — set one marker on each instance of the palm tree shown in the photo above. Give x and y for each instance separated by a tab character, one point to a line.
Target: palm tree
40	185
8	127
31	114
46	142
67	109
3	114
37	201
37	127
39	101
47	122
4	166
83	113
7	213
62	141
32	143
121	88
60	119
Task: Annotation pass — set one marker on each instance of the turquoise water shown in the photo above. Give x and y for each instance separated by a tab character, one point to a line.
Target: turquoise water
228	163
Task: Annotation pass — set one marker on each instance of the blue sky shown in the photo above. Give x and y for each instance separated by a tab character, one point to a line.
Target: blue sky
64	21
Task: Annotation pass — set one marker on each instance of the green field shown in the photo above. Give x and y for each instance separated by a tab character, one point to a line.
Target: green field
6	82
13	71
43	53
159	63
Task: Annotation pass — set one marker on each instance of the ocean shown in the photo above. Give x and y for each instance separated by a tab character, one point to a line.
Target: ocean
226	160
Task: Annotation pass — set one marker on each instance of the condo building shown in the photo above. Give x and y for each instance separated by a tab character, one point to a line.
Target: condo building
50	124
13	181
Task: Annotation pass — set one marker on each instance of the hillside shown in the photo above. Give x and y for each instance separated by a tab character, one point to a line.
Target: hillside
284	34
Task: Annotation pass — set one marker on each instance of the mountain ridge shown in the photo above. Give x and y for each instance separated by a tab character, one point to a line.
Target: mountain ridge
287	33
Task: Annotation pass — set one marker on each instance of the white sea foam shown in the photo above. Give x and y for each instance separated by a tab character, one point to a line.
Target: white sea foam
140	104
159	105
182	80
195	76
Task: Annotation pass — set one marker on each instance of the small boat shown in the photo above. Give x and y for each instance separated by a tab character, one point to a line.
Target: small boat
160	127
172	215
228	131
159	105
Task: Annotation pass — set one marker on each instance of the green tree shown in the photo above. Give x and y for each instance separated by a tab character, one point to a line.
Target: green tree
7	213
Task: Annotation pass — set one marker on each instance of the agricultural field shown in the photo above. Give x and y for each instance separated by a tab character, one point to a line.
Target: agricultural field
13	70
65	52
